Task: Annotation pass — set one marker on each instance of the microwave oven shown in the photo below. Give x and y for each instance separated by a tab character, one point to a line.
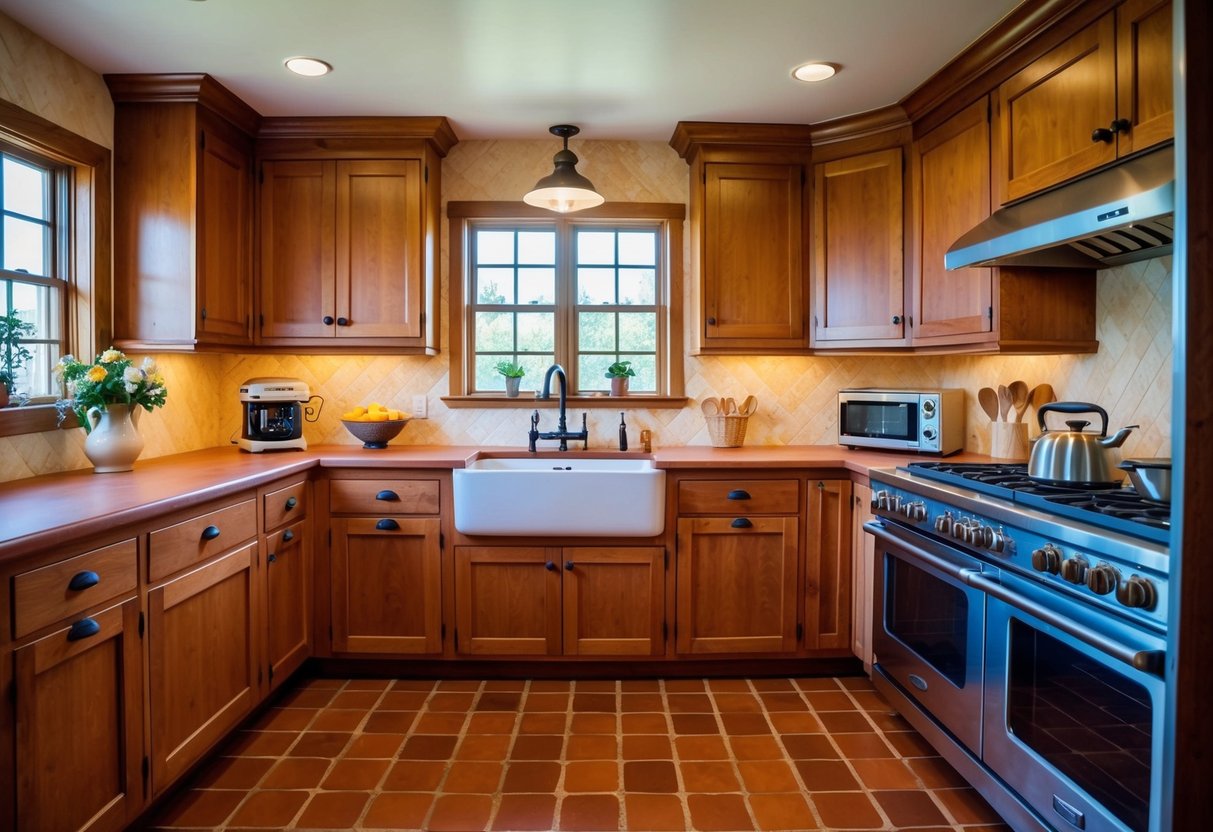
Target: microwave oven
917	421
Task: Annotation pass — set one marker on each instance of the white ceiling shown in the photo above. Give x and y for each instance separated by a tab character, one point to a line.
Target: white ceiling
621	69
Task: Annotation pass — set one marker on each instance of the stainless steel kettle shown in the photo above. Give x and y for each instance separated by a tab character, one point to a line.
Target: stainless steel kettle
1072	457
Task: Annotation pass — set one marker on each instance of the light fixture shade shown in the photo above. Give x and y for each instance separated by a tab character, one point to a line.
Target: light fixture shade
564	190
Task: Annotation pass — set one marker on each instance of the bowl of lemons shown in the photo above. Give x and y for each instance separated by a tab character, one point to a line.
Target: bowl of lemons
375	424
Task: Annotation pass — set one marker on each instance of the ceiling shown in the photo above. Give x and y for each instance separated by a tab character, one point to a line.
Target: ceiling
621	69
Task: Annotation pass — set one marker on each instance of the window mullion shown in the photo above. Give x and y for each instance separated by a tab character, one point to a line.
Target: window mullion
566	304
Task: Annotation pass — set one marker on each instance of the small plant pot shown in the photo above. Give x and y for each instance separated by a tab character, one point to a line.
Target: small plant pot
619	385
4	396
511	386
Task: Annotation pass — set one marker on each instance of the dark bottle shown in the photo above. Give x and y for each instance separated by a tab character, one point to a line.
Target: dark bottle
623	433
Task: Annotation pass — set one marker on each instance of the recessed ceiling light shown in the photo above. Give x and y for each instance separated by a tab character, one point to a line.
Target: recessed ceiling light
311	67
813	72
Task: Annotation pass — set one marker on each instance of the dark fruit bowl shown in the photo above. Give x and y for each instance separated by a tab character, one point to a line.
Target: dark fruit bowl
375	435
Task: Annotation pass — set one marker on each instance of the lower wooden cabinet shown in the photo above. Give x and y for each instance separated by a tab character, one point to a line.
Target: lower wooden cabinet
737	584
550	601
386	585
828	566
202	661
288	601
79	724
863	560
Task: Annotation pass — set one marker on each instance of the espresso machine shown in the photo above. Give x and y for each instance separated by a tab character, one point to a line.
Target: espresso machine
274	411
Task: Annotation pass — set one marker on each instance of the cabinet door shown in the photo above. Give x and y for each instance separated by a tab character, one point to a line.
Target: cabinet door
828	566
952	190
79	724
379	254
386	585
857	249
288	601
224	265
737	582
1143	74
753	267
863	565
614	601
297	239
507	600
1045	114
202	659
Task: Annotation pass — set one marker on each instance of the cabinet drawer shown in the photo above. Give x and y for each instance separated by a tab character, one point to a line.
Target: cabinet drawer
739	497
383	497
284	505
44	596
193	541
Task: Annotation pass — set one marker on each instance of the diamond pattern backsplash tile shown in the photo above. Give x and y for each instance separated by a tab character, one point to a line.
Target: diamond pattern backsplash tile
1130	376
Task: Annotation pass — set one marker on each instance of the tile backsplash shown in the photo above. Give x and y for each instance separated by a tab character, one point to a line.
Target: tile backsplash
1130	375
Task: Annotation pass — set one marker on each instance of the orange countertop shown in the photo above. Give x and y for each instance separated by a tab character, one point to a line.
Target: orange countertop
64	508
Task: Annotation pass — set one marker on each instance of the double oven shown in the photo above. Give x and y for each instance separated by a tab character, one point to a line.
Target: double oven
1025	643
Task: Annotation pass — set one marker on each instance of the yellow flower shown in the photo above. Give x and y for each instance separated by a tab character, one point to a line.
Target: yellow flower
96	372
110	356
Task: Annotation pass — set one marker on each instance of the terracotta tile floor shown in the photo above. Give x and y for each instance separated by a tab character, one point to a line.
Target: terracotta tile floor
718	754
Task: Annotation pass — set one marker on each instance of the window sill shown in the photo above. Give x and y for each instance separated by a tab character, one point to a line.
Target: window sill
33	418
527	399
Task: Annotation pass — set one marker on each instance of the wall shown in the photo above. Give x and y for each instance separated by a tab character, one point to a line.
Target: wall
1130	376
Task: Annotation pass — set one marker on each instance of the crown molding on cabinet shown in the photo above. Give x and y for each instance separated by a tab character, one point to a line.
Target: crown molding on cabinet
184	88
435	130
689	135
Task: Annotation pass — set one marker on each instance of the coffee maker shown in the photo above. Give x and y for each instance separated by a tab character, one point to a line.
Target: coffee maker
274	410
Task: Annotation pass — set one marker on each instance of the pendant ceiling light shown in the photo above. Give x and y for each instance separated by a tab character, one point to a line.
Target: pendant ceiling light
564	189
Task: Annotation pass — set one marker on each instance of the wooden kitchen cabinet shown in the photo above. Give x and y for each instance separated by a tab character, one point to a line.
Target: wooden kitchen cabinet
828	566
749	235
348	224
1114	76
183	201
203	648
549	601
288	578
863	566
858	252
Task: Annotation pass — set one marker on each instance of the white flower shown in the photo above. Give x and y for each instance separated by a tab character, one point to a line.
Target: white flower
111	355
132	376
131	387
149	365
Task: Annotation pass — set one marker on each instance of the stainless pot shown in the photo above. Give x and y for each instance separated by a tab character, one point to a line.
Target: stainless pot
1151	477
1072	457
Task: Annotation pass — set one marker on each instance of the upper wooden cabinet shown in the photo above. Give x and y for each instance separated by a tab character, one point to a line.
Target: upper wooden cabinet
749	233
1101	94
348	229
183	152
858	252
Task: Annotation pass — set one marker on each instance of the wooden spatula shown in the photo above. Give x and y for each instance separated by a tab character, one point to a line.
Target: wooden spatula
988	400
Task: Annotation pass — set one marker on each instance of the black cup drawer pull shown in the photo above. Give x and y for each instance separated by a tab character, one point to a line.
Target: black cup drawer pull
291	502
288	536
210	532
83	628
387	525
388	496
83	580
741	523
271	558
738	494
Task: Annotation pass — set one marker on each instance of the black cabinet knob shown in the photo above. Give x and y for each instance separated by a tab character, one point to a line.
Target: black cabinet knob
83	628
711	322
387	525
1102	134
288	536
271	558
210	532
291	502
83	580
388	496
343	322
568	566
741	523
549	566
327	320
1121	125
896	319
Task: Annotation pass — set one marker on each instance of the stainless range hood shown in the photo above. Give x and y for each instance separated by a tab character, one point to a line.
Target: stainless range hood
1118	215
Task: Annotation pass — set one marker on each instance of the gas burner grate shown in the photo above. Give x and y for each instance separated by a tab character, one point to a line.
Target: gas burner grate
1125	505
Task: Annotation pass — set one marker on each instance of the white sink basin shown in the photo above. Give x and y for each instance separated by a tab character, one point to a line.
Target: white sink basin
566	496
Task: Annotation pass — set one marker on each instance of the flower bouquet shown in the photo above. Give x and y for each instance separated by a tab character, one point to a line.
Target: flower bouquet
111	379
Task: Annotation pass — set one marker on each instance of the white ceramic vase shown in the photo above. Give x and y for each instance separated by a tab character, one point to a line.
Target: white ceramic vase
113	444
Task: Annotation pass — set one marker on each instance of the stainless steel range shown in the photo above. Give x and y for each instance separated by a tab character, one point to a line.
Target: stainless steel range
1021	627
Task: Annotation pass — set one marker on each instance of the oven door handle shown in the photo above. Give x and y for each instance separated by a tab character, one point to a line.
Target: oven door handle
882	532
1147	661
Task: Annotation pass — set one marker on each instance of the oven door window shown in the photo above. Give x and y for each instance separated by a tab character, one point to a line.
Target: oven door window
930	616
880	420
1089	722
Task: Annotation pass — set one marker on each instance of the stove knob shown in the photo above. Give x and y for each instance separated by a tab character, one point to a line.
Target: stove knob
1047	559
880	501
993	539
895	503
1074	569
1137	592
918	511
944	522
1102	579
960	530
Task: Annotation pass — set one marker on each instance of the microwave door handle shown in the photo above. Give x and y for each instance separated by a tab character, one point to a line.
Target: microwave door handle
1147	661
881	532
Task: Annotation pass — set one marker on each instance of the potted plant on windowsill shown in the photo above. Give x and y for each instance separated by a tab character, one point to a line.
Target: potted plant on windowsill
619	373
513	376
12	354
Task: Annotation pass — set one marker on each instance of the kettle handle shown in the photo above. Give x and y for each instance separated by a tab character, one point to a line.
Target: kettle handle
1072	407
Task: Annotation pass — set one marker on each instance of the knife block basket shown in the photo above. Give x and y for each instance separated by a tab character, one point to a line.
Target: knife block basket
727	431
1009	440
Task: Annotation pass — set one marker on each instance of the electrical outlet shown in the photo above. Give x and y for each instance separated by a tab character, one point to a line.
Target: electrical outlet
419	404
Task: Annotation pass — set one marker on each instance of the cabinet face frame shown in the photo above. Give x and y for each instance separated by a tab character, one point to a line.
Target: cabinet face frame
119	626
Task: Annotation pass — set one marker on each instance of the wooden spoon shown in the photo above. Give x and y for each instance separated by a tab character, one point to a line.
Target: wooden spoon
1004	402
1019	398
730	407
1041	394
710	406
748	406
989	402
